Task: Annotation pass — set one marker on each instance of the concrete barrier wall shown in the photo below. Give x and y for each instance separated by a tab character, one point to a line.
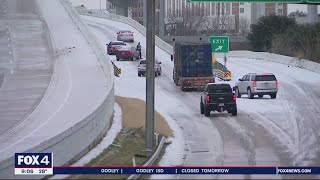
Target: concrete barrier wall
72	144
292	61
159	42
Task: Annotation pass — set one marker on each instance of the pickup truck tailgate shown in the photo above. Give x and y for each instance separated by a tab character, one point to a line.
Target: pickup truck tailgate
221	98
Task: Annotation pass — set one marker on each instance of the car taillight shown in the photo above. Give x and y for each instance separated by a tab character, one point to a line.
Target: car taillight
210	80
120	34
234	97
208	98
188	81
254	83
277	84
130	34
113	48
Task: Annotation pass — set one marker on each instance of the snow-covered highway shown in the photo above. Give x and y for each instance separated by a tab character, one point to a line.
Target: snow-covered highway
266	132
26	61
75	111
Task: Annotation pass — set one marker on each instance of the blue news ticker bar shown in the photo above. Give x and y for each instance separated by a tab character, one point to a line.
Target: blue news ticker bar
164	170
186	170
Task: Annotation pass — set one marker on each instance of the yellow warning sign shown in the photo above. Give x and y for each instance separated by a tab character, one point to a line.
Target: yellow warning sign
214	59
227	75
117	71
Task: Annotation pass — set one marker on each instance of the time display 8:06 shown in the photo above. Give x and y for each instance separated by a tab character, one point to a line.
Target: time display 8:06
27	171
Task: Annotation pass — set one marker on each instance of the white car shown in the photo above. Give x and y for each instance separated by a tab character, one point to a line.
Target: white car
125	36
142	68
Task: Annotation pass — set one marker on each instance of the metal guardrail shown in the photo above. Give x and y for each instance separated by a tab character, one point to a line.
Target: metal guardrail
151	160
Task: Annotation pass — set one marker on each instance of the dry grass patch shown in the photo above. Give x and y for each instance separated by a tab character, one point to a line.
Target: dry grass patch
133	116
130	141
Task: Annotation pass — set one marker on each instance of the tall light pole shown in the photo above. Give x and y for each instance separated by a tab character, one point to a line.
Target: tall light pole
150	27
144	13
161	25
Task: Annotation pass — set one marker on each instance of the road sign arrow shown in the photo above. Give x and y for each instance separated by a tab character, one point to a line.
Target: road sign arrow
219	48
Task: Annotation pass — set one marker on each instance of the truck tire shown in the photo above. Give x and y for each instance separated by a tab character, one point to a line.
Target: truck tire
238	93
139	74
250	95
260	95
182	87
201	108
175	81
273	96
132	59
235	112
118	59
206	111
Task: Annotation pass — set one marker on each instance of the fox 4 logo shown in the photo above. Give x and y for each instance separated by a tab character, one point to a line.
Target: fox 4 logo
33	160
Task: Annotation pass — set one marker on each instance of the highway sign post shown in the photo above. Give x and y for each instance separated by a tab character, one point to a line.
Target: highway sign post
219	44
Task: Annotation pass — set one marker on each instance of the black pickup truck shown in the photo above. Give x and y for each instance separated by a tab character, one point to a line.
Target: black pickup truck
218	97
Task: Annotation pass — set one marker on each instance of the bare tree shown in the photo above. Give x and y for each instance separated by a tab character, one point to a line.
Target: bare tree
211	25
298	14
244	26
218	24
185	23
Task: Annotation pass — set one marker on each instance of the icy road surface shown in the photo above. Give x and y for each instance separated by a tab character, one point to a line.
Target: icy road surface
266	132
25	61
78	87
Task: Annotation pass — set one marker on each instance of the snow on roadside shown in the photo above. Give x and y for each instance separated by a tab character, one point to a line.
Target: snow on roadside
174	152
271	109
106	141
282	118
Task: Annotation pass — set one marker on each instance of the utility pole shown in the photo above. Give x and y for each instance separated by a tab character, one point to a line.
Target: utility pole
161	25
144	13
150	26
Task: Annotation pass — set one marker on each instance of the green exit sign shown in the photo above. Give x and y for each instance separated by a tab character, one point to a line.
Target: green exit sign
268	1
219	44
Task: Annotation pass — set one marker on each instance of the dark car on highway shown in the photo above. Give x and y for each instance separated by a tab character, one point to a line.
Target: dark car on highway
218	97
